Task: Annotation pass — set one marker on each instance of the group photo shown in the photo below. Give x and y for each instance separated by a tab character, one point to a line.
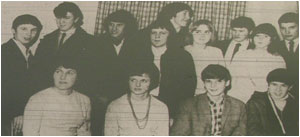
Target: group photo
150	68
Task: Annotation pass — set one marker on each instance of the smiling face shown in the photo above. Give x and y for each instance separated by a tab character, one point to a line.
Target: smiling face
116	29
278	90
159	37
25	33
289	31
202	35
64	78
182	18
261	41
139	85
239	34
66	23
215	87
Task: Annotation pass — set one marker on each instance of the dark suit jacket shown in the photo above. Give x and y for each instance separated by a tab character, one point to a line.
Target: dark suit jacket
223	45
18	82
262	120
112	69
292	63
194	117
178	75
76	47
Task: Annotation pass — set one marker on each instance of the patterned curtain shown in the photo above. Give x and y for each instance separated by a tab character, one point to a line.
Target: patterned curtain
219	12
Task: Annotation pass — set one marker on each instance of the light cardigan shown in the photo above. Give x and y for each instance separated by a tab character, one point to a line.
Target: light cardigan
202	58
249	70
119	120
50	113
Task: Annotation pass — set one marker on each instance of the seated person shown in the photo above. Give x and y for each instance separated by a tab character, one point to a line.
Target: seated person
214	112
137	112
275	112
58	110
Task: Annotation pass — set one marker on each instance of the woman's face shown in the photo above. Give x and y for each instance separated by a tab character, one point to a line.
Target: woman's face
139	85
64	78
261	41
202	34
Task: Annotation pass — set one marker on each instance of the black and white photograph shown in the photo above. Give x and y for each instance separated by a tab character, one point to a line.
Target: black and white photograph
150	68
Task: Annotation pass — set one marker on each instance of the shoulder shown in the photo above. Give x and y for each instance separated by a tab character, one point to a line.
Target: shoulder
42	95
7	45
51	34
236	102
258	98
119	102
85	98
188	47
213	49
159	103
222	43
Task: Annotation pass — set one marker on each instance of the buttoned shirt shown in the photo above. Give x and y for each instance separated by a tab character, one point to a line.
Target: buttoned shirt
118	47
23	49
230	49
68	33
216	108
296	44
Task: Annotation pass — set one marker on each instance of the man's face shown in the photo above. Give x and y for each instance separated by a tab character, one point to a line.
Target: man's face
239	34
25	33
182	18
139	85
116	29
215	87
278	90
159	37
66	23
289	31
64	78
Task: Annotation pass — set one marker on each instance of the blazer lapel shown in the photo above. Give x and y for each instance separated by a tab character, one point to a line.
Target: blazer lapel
203	110
226	110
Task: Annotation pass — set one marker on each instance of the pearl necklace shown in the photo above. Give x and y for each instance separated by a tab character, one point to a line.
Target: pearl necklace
137	120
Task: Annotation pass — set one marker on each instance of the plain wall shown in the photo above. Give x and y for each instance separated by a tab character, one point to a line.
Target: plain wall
44	12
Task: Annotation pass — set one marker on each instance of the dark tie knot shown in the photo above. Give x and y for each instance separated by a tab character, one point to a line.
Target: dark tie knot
238	44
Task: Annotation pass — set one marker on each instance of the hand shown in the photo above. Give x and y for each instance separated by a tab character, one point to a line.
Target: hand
18	124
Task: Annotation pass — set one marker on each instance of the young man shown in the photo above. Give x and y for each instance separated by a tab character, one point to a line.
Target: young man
214	112
178	17
289	46
275	112
113	56
69	40
177	70
240	30
18	71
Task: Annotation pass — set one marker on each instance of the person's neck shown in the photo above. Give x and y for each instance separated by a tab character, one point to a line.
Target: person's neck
262	48
245	40
216	98
200	45
73	29
64	92
175	25
140	97
159	47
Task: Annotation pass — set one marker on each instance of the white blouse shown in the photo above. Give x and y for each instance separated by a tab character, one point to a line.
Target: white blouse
202	58
249	70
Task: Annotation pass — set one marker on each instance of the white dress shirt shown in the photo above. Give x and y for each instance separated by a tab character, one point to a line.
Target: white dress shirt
230	49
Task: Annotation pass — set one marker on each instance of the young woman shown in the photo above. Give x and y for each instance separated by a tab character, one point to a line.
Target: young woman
58	110
251	67
138	113
201	36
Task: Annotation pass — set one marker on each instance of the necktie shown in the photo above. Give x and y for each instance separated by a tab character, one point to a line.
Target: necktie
61	40
29	59
291	43
236	49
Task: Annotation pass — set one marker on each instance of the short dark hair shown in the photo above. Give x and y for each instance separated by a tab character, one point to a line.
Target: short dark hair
123	16
242	22
61	11
27	19
172	9
159	24
289	17
270	30
215	71
279	75
138	69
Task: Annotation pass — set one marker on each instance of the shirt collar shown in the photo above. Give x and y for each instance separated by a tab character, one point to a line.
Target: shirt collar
296	43
23	48
69	32
158	51
218	102
245	42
